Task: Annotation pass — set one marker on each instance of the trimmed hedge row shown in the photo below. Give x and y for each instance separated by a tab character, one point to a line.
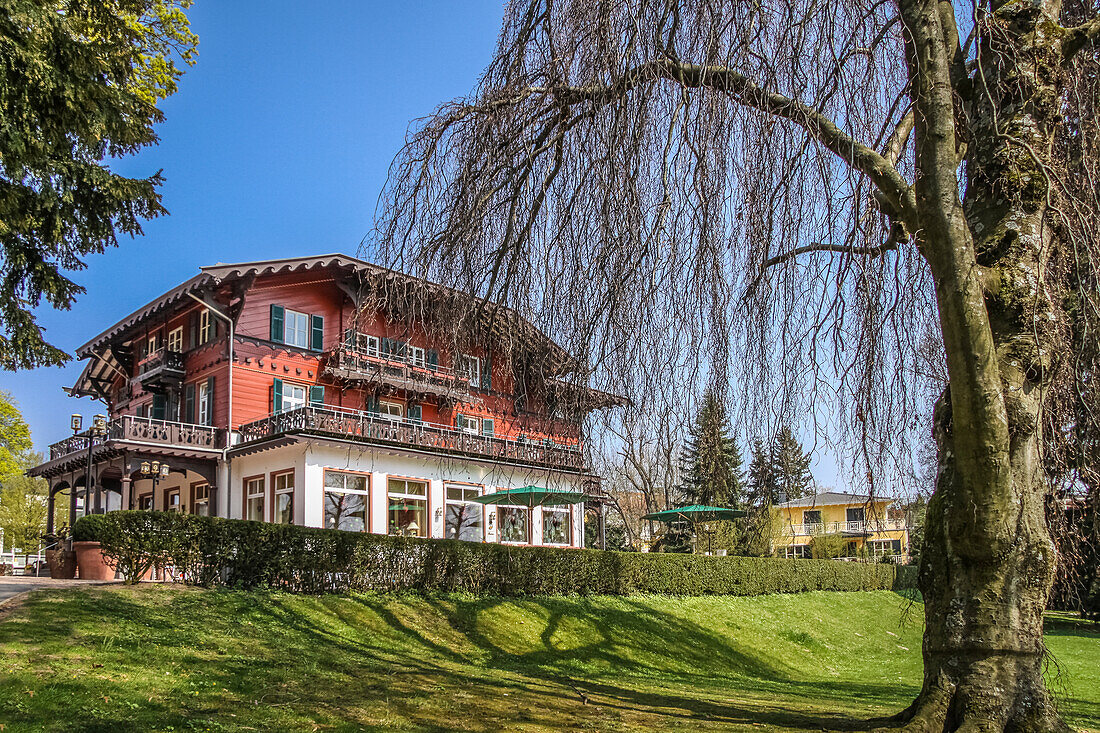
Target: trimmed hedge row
240	554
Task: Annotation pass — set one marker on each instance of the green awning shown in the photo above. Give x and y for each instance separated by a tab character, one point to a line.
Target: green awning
531	496
695	513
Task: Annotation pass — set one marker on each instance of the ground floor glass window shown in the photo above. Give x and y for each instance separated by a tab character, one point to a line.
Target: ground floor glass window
464	516
347	501
514	522
254	499
284	498
408	508
556	526
795	551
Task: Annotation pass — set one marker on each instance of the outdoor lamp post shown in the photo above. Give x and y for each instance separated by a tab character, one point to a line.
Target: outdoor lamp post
98	430
156	471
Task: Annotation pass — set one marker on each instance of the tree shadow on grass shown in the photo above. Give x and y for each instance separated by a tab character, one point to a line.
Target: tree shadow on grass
425	663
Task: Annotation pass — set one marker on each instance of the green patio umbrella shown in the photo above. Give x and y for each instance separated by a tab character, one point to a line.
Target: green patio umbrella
532	496
695	513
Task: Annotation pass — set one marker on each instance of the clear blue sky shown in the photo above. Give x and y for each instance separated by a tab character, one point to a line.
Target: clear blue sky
276	145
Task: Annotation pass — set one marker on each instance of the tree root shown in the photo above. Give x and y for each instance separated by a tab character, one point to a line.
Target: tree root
946	707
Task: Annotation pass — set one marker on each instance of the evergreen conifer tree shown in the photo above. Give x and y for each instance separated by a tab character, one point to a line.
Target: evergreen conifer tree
790	467
711	461
762	489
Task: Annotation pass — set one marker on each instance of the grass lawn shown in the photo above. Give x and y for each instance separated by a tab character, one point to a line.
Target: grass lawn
158	658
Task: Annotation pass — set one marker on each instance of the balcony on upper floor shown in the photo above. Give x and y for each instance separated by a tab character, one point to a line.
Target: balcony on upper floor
371	428
851	528
161	370
142	431
408	371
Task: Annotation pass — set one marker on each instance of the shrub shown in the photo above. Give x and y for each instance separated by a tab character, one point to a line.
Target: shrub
239	554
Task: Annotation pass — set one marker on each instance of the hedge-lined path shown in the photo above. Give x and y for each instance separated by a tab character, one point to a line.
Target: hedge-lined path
14	587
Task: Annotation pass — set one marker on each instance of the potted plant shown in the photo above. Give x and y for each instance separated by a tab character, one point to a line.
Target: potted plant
59	558
89	555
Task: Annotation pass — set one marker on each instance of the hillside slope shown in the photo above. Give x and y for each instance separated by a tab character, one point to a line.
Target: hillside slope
164	658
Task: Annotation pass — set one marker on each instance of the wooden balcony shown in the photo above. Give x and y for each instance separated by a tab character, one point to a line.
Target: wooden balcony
143	430
161	370
351	364
370	428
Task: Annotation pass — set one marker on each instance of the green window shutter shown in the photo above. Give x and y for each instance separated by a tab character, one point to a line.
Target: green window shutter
277	395
317	395
415	413
278	315
317	332
349	337
189	403
487	372
432	357
487	427
372	404
160	407
210	401
385	346
193	330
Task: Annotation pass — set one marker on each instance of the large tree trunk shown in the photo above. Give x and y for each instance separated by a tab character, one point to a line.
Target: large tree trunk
988	562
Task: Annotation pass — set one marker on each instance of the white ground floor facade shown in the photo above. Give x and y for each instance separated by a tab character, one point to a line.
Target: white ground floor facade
315	482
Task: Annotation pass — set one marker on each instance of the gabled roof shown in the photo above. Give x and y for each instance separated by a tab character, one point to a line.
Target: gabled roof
835	498
213	276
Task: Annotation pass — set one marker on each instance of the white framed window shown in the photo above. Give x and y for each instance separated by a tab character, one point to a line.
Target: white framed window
464	517
254	499
347	500
470	367
173	504
296	329
367	344
206	326
390	410
200	500
294	396
796	551
416	356
175	339
145	502
515	524
153	344
469	424
408	507
206	403
557	525
284	498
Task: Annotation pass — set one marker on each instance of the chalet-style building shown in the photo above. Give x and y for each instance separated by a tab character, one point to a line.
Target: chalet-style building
300	391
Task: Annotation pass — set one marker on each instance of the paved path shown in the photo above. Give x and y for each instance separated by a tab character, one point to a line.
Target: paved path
15	585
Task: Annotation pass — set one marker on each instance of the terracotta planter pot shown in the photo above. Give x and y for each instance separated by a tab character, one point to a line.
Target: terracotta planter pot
62	563
91	563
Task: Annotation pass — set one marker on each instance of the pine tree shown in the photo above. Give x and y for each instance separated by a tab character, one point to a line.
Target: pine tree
711	461
790	467
762	489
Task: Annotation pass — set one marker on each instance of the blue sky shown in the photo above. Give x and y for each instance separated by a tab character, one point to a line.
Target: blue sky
276	145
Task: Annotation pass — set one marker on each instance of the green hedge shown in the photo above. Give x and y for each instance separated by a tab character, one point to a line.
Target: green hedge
240	554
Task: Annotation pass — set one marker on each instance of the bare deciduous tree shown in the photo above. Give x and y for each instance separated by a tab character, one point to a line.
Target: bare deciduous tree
783	196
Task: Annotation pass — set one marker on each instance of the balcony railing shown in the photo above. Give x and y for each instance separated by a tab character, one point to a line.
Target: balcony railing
397	370
885	525
372	428
143	430
162	369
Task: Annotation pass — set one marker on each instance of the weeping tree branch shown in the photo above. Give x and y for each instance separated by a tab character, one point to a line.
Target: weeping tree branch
1079	37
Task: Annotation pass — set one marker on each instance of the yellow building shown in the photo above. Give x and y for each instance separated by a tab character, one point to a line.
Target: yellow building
870	528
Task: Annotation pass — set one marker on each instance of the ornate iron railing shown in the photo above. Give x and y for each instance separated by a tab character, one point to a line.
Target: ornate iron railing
885	525
143	430
372	428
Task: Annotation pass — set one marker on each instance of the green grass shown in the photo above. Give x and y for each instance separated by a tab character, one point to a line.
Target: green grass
162	658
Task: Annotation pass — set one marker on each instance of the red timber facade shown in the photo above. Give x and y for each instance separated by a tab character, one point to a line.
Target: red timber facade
299	391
